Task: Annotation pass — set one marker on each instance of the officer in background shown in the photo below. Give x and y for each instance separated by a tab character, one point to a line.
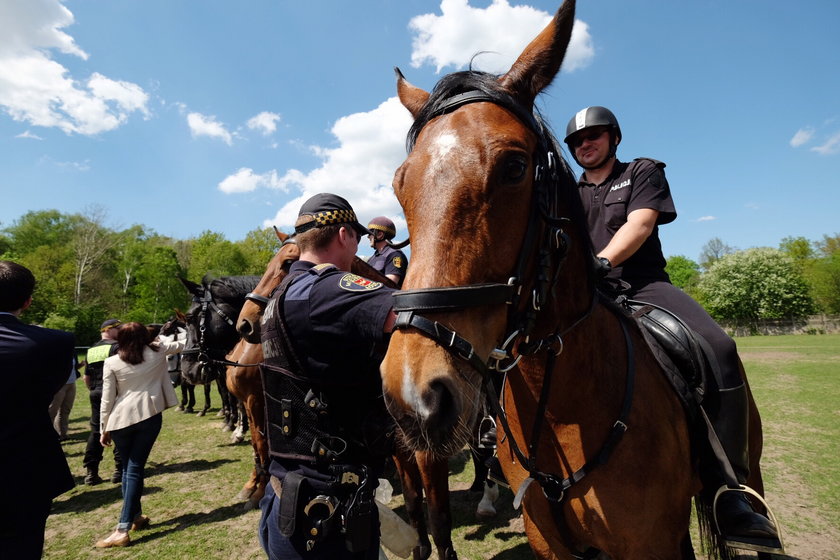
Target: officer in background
625	204
325	332
387	260
105	347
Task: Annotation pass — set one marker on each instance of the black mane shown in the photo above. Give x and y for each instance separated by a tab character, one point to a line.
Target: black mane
231	287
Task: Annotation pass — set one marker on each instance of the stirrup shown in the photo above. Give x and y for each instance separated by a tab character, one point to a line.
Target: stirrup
744	544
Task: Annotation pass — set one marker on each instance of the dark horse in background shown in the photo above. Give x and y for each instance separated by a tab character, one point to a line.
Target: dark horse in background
211	334
418	471
596	443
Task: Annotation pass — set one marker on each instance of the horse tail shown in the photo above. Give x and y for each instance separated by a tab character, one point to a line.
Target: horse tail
710	541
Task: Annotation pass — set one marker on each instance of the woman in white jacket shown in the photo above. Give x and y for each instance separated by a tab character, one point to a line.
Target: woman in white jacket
136	390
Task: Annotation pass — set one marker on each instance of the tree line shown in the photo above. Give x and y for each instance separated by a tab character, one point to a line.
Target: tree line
87	271
743	287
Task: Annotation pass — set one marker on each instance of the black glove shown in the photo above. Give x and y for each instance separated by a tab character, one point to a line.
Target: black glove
602	267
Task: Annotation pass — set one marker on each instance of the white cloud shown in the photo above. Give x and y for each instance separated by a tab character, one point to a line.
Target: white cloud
245	180
830	146
28	134
705	219
203	125
265	122
370	147
36	89
461	31
802	136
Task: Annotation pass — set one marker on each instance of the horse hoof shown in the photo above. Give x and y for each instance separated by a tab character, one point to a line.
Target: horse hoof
485	507
189	410
200	413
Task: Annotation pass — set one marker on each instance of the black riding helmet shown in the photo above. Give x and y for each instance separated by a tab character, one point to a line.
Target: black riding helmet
589	117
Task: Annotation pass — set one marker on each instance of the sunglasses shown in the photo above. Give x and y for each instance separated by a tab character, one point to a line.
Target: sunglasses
587	135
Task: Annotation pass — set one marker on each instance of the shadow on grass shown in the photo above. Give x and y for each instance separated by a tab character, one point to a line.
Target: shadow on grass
166	527
155	469
518	552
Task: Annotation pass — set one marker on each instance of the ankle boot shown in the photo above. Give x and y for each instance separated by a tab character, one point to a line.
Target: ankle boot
739	524
116	476
92	477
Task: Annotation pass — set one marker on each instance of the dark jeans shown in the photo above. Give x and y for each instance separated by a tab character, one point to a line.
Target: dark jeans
135	443
279	547
683	306
94	449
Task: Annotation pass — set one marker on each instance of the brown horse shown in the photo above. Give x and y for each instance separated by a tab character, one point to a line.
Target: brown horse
592	420
417	471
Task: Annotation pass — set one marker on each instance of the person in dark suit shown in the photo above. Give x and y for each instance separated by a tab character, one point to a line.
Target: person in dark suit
34	362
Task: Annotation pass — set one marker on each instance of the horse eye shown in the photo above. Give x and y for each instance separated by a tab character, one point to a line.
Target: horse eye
515	168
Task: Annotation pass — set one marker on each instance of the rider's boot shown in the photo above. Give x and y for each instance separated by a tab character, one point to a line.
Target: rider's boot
739	524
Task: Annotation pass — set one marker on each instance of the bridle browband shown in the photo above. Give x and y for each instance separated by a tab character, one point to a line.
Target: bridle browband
545	228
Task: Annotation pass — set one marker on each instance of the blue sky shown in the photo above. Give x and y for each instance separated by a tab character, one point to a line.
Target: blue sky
224	116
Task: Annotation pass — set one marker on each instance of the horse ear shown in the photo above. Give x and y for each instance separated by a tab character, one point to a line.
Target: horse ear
413	98
280	235
536	67
192	287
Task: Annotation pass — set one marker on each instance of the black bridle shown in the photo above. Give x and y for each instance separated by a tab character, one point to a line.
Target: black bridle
203	351
524	305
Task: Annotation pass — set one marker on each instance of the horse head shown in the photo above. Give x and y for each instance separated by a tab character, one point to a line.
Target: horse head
211	324
484	193
248	323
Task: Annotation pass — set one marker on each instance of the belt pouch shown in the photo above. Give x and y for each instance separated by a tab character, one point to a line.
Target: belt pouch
289	501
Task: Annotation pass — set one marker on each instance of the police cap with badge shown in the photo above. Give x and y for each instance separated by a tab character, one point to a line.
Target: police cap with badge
327	209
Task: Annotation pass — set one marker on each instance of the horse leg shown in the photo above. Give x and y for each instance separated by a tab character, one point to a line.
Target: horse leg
435	474
412	491
204	410
242	422
190	398
182	407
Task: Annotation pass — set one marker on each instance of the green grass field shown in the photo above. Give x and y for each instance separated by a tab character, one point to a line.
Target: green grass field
195	472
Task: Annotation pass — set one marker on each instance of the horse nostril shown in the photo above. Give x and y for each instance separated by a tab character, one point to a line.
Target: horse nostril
441	410
245	328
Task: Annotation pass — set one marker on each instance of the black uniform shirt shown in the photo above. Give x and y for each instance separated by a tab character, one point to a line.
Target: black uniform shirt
389	261
335	319
631	186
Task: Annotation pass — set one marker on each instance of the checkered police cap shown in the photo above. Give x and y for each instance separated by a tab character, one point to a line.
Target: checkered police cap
328	209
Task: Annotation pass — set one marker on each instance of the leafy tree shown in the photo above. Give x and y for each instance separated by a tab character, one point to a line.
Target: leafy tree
259	246
158	292
829	245
91	241
214	255
799	249
684	272
714	250
825	281
54	278
38	229
747	286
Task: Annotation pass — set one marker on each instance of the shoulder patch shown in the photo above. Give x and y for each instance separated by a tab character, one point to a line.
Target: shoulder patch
398	262
354	283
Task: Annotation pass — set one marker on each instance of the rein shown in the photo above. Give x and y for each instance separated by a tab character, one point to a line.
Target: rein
553	245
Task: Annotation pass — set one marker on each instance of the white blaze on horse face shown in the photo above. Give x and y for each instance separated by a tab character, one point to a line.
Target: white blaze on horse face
410	396
442	145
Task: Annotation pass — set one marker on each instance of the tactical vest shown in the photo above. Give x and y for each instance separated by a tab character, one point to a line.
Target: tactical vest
313	422
95	360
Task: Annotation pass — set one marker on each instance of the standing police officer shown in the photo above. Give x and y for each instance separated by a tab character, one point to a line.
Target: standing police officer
386	259
325	332
625	204
105	347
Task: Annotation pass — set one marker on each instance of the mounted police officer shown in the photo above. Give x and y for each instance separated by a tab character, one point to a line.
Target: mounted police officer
325	332
625	204
386	259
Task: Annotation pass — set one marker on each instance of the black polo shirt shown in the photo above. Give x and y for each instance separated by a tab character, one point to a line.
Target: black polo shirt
631	186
